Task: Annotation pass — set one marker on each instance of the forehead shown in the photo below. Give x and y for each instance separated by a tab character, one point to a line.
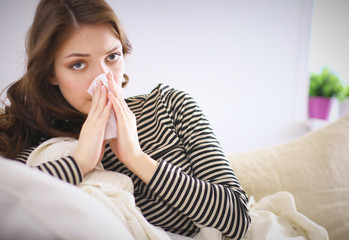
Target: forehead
90	39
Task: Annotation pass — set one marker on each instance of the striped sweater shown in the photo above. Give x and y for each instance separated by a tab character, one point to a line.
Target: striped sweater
193	184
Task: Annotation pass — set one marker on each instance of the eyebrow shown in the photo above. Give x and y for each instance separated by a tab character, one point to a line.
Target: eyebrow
87	55
78	55
114	48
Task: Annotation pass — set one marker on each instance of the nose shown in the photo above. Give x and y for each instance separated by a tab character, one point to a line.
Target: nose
95	70
102	68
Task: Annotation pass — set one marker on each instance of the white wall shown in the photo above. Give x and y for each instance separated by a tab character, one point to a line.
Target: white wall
245	62
15	19
330	37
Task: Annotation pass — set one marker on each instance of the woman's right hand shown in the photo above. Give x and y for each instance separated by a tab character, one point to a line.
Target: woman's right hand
90	148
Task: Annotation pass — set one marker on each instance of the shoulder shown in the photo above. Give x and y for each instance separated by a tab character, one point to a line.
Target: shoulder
169	96
163	99
160	91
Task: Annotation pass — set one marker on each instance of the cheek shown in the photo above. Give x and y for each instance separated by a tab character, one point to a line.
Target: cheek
69	81
74	90
73	86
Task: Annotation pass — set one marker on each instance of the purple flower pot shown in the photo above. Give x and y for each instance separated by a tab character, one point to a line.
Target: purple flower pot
319	107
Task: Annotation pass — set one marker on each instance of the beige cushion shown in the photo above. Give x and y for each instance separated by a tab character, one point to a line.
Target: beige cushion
314	168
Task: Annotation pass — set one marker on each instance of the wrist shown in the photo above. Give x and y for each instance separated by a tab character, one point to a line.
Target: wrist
144	167
83	168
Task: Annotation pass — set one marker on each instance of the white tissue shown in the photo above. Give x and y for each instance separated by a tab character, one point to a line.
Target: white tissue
110	128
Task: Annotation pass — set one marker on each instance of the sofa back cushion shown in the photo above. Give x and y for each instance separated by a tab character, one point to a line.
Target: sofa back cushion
314	168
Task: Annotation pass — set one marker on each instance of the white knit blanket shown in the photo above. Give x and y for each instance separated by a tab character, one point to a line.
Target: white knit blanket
274	217
114	190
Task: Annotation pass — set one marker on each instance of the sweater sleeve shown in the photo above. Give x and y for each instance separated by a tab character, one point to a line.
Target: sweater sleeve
65	168
213	196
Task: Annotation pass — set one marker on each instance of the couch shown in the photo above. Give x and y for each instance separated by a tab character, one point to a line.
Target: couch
313	168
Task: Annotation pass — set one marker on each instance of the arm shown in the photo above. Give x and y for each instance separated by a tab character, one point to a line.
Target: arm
65	169
212	196
90	146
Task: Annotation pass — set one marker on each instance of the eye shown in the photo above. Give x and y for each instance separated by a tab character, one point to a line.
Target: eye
78	65
113	57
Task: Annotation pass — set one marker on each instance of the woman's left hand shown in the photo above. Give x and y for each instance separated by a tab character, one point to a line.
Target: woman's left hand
126	145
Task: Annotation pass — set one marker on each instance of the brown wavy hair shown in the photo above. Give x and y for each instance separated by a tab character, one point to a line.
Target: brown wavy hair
37	108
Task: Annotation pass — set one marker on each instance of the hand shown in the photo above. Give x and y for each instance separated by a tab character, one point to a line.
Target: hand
126	145
90	148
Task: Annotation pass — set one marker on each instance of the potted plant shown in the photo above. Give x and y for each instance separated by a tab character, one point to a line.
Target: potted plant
324	89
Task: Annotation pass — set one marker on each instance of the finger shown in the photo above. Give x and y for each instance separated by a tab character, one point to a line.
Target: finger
111	84
95	97
116	106
122	116
102	101
115	89
106	113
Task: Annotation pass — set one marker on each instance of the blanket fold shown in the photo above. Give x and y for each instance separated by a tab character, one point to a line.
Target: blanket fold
114	190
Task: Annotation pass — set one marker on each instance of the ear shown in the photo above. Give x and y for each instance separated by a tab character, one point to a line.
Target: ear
53	81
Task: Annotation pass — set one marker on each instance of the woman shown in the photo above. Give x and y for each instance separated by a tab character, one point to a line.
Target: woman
164	142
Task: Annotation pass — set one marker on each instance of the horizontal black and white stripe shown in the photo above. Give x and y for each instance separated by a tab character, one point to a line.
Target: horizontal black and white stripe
65	168
194	183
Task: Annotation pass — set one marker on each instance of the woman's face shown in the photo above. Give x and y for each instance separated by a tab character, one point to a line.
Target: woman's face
91	50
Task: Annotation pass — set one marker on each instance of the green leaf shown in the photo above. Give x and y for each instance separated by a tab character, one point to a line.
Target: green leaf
327	84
